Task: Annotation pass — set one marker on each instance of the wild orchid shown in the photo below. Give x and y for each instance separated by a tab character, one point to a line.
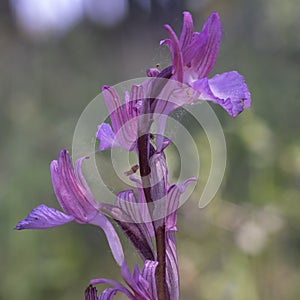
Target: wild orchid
147	214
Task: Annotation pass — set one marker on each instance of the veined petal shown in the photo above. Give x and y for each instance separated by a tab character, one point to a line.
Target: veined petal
81	180
204	60
128	133
231	85
141	292
106	136
136	230
123	117
141	286
172	266
176	53
108	294
91	293
196	46
141	281
72	197
117	285
158	176
114	107
191	42
228	90
44	217
159	186
137	94
187	30
174	193
148	273
127	202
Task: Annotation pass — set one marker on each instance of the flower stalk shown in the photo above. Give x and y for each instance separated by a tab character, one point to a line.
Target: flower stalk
147	218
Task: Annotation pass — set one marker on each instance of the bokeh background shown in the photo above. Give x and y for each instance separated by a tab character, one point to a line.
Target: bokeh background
56	54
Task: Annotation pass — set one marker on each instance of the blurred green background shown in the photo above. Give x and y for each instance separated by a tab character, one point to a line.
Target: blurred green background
54	58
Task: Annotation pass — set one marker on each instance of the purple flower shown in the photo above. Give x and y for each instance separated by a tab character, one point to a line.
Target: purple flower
77	202
131	119
139	286
148	219
123	118
193	57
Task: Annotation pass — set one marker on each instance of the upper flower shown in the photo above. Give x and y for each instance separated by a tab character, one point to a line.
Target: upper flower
193	57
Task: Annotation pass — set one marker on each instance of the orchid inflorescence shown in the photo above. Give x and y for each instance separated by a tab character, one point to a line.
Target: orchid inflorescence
147	217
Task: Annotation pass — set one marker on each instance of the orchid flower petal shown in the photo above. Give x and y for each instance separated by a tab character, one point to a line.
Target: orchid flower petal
174	193
91	293
139	291
108	294
142	283
158	176
127	202
106	136
44	217
172	266
72	196
228	90
177	60
205	59
187	30
148	273
142	286
193	49
81	180
123	117
117	285
159	186
114	107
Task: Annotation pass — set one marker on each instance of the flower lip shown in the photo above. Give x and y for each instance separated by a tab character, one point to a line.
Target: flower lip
44	217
